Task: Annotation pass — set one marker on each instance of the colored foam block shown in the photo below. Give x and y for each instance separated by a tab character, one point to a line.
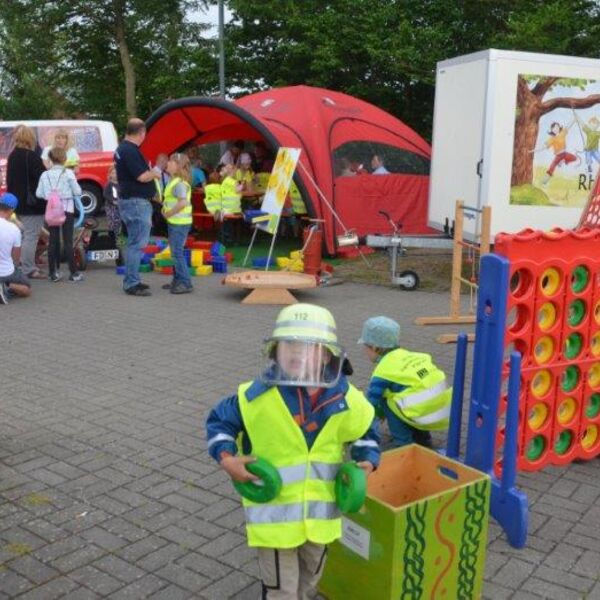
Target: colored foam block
120	270
151	249
282	261
163	262
199	245
228	257
217	249
204	270
220	267
261	261
145	268
197	257
192	271
166	270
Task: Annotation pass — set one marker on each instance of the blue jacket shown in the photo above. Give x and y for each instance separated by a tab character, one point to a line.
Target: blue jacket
224	422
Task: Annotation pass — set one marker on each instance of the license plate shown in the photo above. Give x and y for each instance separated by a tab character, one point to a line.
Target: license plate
101	255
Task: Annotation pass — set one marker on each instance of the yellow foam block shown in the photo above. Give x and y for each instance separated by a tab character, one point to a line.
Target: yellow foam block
204	269
282	261
197	258
296	266
166	253
296	254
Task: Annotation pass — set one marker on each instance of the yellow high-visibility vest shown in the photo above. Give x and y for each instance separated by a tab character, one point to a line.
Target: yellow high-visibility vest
184	216
231	199
213	197
298	205
305	509
425	401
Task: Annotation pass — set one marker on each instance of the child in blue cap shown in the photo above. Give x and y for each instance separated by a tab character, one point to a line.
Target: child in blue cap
405	386
12	280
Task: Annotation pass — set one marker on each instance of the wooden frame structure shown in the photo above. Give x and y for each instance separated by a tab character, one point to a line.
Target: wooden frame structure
483	247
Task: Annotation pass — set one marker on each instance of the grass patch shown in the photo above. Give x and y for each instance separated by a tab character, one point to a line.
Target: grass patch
36	500
18	549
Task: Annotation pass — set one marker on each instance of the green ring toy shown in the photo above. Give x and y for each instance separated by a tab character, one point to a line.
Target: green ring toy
576	312
269	488
350	488
579	279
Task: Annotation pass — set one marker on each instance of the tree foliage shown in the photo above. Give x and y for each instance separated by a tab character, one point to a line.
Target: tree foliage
109	58
81	57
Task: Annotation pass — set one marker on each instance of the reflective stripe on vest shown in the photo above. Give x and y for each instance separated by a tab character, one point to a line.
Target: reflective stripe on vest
231	199
305	509
184	216
212	197
424	402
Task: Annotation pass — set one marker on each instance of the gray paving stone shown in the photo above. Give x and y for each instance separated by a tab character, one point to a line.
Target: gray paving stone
127	449
57	588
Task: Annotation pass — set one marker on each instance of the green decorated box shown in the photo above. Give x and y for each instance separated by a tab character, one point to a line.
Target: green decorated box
421	533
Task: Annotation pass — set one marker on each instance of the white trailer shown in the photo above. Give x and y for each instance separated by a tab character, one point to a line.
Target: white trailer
501	120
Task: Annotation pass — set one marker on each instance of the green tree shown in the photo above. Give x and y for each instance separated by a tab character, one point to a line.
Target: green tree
105	58
386	51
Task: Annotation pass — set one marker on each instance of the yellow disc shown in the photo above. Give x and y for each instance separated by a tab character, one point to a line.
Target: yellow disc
546	316
594	375
595	344
537	416
566	410
544	349
590	436
540	384
550	281
597	312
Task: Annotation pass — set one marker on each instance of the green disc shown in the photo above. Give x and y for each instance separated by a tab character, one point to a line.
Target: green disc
563	442
570	378
267	488
573	345
536	447
350	488
593	408
579	279
576	312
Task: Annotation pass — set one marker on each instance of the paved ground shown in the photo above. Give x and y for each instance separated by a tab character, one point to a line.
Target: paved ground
105	486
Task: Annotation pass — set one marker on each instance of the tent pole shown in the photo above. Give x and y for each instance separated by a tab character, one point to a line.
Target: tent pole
273	242
322	195
250	246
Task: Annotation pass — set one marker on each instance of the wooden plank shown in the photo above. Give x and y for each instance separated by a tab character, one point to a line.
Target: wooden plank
269	296
449	320
451	338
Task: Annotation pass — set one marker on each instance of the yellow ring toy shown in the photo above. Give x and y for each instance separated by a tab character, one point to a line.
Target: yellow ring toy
590	437
544	349
540	384
594	375
595	344
550	281
537	416
546	316
566	410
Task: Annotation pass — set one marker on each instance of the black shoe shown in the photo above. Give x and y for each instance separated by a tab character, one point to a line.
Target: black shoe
138	290
167	286
144	286
3	294
180	288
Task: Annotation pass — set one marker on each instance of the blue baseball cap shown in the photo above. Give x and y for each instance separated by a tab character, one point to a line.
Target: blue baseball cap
380	332
9	200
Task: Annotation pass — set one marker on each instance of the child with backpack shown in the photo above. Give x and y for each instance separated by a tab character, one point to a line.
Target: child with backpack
58	186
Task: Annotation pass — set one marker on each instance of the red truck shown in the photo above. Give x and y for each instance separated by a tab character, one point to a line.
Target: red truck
95	141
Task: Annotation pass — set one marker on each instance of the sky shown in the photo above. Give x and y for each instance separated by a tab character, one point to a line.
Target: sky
210	16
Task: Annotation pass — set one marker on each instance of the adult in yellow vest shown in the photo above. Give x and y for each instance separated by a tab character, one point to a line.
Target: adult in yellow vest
407	387
299	415
177	210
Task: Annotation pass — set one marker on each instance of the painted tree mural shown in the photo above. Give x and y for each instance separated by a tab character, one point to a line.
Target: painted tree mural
530	108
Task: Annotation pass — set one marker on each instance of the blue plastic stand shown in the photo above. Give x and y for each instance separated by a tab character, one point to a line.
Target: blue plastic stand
508	505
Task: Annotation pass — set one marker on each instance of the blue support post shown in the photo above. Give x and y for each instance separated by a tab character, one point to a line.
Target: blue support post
458	390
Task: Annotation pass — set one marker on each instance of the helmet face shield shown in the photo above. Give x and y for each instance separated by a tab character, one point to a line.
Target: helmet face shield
299	362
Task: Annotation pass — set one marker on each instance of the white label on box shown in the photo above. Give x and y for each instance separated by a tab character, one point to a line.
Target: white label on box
355	537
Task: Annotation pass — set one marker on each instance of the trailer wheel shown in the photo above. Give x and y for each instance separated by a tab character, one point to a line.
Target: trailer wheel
409	280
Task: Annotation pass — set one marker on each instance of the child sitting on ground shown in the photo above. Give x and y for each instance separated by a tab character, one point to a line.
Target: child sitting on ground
299	416
12	280
405	386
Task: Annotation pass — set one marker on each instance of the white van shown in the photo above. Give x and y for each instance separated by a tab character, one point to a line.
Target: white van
95	141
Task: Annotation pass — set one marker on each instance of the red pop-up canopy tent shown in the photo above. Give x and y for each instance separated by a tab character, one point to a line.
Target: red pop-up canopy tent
333	130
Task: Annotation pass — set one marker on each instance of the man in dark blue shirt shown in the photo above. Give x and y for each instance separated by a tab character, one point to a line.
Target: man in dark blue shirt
136	188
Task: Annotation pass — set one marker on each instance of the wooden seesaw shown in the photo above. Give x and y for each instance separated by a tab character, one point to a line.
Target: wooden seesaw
270	287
